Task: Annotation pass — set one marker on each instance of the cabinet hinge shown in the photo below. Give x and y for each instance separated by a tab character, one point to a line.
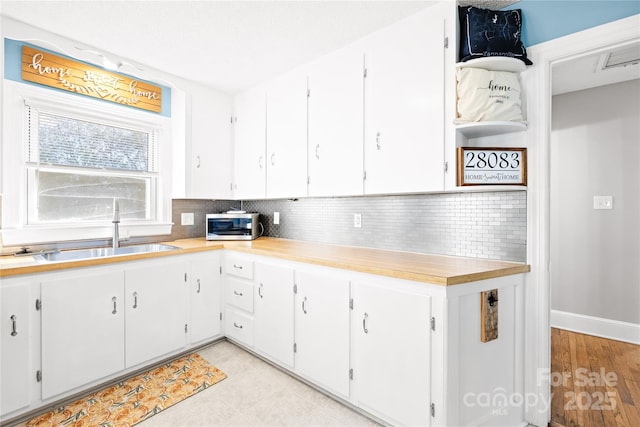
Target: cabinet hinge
364	73
308	180
234	119
351	303
38	304
295	347
364	176
433	323
446	167
38	376
433	410
351	373
185	328
220	316
295	288
308	93
446	42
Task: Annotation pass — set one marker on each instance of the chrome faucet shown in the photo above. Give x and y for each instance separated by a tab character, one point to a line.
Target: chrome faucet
116	222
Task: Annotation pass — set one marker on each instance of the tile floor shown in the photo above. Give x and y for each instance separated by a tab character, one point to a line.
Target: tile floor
255	394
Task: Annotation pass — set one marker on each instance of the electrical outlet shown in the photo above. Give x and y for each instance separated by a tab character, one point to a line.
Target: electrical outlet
602	202
186	218
357	220
276	218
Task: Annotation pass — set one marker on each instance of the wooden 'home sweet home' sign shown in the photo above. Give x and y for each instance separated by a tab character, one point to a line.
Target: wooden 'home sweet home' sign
56	71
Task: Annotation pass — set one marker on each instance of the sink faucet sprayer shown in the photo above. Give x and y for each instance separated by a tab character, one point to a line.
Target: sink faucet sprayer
116	222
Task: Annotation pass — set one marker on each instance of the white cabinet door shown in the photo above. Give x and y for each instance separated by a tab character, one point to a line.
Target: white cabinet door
273	312
287	136
82	329
392	353
336	97
205	295
209	172
15	346
404	106
156	309
322	330
249	144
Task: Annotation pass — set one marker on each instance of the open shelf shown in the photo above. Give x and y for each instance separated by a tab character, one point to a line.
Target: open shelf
480	129
495	63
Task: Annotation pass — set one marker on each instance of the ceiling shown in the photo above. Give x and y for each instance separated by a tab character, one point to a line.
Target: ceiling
586	71
227	45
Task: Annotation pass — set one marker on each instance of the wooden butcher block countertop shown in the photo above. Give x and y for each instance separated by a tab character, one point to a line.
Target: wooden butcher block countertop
436	269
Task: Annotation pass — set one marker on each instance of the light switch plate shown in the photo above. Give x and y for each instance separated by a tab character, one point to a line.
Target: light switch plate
187	218
357	220
602	202
276	218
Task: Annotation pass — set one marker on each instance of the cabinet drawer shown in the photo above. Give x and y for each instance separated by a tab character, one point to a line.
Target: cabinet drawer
239	326
240	294
239	266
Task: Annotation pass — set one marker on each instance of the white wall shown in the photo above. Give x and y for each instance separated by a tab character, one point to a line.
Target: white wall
595	254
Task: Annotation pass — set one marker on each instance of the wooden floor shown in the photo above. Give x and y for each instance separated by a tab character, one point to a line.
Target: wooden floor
594	381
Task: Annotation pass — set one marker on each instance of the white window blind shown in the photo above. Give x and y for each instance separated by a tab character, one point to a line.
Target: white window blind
77	165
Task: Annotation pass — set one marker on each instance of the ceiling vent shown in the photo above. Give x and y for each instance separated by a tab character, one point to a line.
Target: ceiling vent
622	57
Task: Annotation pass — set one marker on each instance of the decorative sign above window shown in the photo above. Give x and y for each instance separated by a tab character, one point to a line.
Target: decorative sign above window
492	166
55	71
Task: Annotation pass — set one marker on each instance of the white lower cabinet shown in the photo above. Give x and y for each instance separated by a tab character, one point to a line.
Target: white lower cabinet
273	311
156	309
82	329
16	345
322	329
392	351
94	324
205	294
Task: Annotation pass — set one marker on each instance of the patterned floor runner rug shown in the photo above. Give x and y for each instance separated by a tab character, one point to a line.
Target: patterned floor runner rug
136	399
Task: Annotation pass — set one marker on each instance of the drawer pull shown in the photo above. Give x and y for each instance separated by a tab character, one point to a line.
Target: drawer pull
304	309
235	325
239	267
260	291
237	293
364	323
115	307
14	325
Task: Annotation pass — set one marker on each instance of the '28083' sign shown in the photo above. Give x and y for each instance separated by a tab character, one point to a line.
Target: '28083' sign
492	166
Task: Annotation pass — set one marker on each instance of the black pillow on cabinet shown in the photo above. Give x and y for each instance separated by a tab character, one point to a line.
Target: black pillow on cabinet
485	32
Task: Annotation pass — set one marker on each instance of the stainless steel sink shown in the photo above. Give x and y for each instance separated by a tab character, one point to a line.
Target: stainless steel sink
102	252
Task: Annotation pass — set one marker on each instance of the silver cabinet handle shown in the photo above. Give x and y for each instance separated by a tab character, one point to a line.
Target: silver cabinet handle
273	159
378	144
198	286
14	325
317	153
364	323
260	290
237	293
260	161
235	325
135	300
115	308
198	163
239	267
304	309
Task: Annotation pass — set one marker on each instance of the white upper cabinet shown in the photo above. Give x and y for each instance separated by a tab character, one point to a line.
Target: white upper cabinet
404	105
249	148
209	171
287	135
336	123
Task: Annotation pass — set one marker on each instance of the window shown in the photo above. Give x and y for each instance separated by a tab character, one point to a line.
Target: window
77	164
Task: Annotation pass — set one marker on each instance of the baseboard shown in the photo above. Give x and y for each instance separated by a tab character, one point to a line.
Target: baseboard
597	326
